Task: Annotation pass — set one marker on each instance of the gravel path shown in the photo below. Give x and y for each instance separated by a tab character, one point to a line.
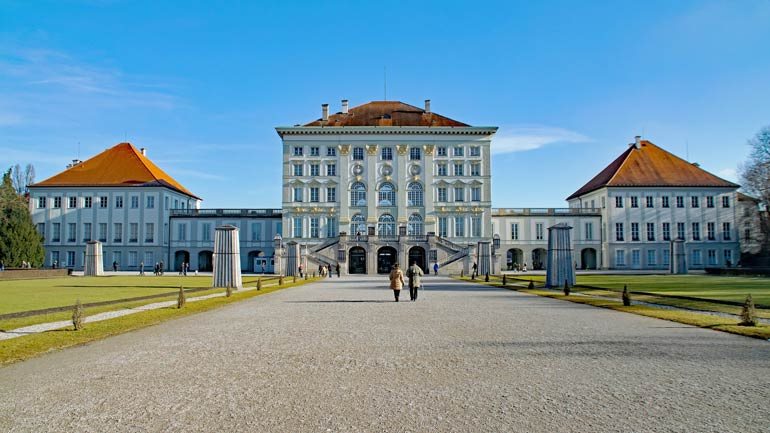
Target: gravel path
339	355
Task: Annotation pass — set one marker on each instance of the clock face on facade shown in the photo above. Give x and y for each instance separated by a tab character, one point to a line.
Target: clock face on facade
386	170
358	169
414	170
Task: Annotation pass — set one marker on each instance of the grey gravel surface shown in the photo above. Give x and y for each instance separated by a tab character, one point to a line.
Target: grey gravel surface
339	355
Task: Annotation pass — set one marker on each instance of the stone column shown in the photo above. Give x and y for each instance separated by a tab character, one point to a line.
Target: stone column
292	259
484	256
227	258
678	262
94	265
370	164
343	192
559	264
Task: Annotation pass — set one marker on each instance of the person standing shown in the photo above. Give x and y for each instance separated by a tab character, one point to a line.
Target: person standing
475	269
115	266
338	269
160	268
300	270
141	268
415	280
435	268
329	270
396	281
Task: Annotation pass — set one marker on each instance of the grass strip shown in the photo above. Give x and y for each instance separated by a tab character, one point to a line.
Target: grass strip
21	348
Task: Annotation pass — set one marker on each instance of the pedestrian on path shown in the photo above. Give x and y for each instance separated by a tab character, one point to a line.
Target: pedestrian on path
338	270
435	269
415	280
141	268
396	281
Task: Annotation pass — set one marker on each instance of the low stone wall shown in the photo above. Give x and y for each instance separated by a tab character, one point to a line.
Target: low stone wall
31	274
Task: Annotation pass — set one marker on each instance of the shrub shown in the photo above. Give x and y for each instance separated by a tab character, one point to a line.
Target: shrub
228	291
626	297
566	288
77	316
259	283
182	299
748	314
531	285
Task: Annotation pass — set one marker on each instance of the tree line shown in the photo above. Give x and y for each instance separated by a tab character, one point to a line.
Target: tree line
19	238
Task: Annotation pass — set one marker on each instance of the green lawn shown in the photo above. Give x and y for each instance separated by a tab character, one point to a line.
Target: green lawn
26	295
723	288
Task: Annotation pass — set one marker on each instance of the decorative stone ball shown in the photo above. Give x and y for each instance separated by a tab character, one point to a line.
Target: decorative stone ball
358	169
387	170
414	170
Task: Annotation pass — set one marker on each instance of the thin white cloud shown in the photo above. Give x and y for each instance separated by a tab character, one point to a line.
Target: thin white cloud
730	174
524	138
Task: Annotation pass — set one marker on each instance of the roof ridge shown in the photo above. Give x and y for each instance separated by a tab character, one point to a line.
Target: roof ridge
620	167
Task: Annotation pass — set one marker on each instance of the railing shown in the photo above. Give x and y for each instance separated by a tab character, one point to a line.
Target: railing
226	212
455	257
546	211
330	242
446	243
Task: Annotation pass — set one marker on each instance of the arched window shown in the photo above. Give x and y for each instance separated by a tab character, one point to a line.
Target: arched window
414	194
358	194
414	226
386	226
358	225
387	195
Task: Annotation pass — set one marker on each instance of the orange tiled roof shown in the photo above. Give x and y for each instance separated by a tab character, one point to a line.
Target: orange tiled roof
651	166
386	113
120	165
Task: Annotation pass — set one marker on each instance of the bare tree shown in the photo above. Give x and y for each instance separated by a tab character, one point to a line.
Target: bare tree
29	176
23	179
755	177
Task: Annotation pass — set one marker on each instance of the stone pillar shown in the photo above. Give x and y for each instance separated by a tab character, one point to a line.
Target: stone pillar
484	256
227	258
292	259
559	264
94	265
678	260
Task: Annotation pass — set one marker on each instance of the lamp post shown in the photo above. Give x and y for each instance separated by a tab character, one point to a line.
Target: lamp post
278	251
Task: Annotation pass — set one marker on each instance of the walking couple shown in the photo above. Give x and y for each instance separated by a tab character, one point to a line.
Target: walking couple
414	273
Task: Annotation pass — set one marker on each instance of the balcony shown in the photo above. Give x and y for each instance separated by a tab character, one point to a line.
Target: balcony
226	213
570	211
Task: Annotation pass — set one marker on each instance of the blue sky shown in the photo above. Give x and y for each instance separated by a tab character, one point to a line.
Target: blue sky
202	86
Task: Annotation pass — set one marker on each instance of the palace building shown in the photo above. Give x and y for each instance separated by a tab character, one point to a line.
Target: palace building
386	182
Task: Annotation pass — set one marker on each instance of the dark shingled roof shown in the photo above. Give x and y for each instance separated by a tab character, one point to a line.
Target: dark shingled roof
386	113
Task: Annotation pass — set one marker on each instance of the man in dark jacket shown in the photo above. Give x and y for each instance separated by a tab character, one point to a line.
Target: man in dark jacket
414	273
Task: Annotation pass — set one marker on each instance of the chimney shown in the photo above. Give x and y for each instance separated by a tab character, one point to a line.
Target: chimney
144	151
324	112
344	106
638	141
427	105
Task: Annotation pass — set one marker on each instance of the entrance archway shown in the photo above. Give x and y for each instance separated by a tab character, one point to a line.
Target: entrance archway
179	258
588	258
357	260
538	258
205	262
386	258
417	254
514	259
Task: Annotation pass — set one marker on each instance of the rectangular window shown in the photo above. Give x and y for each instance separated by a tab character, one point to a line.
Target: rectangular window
460	227
133	233
314	194
694	201
358	154
475	151
415	154
680	231
711	231
148	258
331	151
331	169
665	256
297	194
441	151
459	193
458	169
696	231
56	232
618	231
315	151
679	201
297	226
634	201
726	231
476	227
666	231
165	203
712	257
386	154
650	231
442	194
634	231
134	201
71	232
725	201
149	232
652	258
102	232
331	227
728	256
589	227
150	202
457	151
710	203
297	169
620	258
649	201
476	193
315	170
206	232
119	202
664	201
73	202
88	202
41	202
132	258
636	258
297	150
41	229
539	231
117	232
314	227
57	202
181	232
102	202
442	227
475	169
86	232
331	194
618	201
696	258
70	258
442	170
515	231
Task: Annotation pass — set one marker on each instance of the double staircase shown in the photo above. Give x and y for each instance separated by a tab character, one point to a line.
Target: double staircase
315	254
456	251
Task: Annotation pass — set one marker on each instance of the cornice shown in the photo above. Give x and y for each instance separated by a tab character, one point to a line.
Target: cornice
400	130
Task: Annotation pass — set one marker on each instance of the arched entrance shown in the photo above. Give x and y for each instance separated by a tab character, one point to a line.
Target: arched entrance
357	260
205	264
417	255
538	258
588	258
386	258
179	258
514	259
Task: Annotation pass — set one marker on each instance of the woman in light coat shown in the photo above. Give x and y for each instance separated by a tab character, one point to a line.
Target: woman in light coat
396	280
